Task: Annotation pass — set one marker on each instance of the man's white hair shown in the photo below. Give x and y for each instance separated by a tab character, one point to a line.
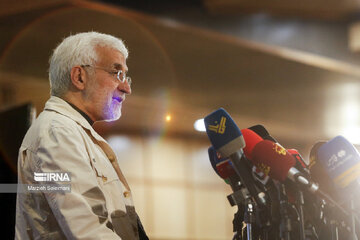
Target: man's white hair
78	49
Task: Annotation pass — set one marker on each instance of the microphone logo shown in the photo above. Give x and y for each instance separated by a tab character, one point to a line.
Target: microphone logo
332	161
341	153
264	168
279	149
219	128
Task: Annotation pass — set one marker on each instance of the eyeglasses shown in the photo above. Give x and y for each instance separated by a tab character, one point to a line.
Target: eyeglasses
118	73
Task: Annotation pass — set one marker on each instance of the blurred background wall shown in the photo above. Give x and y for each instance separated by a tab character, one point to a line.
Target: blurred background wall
291	66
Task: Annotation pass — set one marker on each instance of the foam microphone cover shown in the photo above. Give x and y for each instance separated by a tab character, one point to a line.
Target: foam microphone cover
341	161
273	159
223	132
251	139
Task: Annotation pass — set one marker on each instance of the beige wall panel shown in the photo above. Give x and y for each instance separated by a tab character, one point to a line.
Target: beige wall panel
211	215
170	213
129	151
202	171
167	159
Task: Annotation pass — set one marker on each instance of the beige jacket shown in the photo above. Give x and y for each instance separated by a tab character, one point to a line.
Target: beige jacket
100	204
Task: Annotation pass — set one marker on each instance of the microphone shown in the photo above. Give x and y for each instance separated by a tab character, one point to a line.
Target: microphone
227	139
262	132
222	166
299	162
341	161
223	133
279	164
257	133
225	170
251	139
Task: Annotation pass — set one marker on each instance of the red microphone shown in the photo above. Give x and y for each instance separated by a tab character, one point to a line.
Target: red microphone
273	159
279	164
251	138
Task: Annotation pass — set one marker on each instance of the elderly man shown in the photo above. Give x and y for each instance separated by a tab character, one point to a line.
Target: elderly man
88	83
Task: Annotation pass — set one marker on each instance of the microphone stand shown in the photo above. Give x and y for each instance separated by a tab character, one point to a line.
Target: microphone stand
249	217
237	224
239	198
300	205
285	225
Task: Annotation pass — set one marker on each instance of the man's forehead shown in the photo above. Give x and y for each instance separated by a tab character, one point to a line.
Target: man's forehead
112	57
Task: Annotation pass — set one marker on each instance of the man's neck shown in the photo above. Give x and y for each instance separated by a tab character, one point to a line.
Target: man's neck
70	99
91	122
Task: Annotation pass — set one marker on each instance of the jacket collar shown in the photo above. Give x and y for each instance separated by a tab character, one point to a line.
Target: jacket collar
64	108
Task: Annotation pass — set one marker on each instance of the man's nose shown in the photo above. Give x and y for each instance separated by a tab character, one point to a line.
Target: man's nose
125	87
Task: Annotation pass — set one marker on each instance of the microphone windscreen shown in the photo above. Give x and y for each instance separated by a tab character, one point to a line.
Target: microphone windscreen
273	159
223	133
251	139
341	161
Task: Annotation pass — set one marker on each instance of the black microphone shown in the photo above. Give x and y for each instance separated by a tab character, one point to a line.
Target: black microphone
262	132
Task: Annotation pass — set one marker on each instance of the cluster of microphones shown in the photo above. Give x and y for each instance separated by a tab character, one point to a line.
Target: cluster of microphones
278	195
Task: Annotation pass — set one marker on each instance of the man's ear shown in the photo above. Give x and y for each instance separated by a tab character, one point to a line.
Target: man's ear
78	77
